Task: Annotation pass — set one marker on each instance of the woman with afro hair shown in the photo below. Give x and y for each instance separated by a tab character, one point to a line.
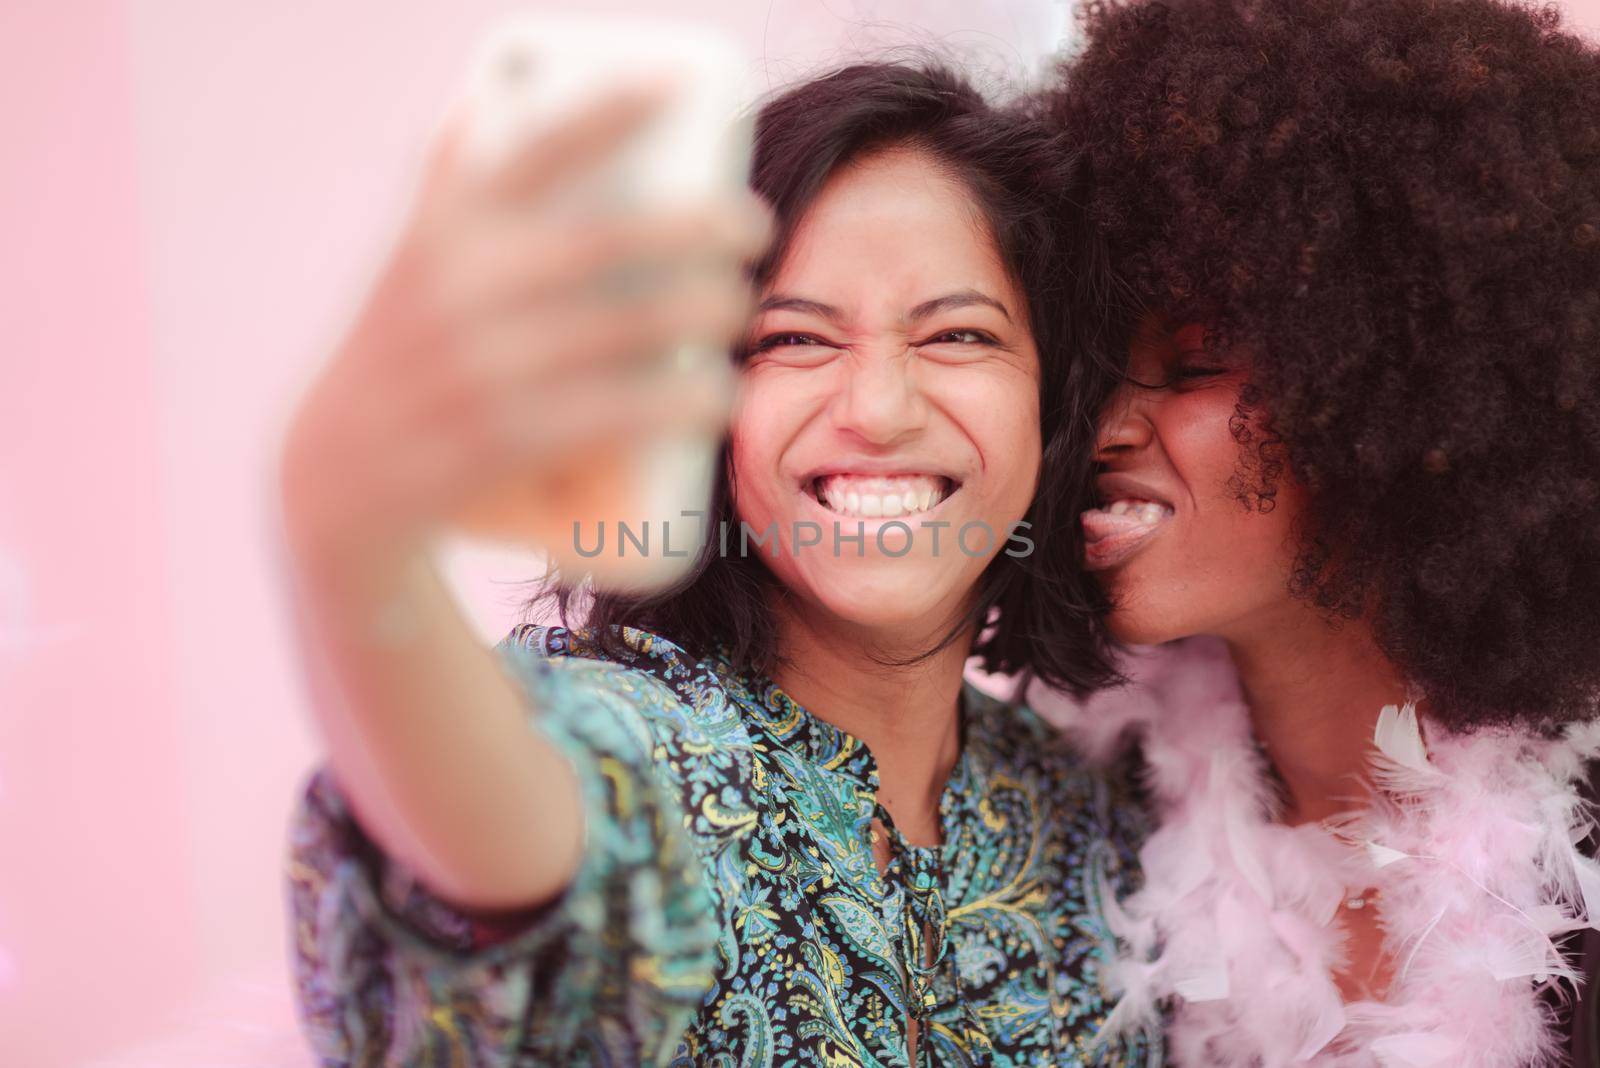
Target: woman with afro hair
1357	447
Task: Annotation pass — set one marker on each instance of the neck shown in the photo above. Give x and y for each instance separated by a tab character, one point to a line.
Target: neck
1315	691
908	717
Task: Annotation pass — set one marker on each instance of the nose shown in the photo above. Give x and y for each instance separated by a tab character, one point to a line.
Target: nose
1125	427
879	399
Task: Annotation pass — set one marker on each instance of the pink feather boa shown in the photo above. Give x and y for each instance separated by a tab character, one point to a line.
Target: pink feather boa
1469	841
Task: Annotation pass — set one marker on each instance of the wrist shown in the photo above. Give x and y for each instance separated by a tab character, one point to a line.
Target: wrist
334	548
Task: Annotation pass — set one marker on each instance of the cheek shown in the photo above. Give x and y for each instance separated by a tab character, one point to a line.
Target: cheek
1227	559
1196	432
999	415
756	438
1021	454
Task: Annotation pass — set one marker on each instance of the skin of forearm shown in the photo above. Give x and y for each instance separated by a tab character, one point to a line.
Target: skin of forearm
428	738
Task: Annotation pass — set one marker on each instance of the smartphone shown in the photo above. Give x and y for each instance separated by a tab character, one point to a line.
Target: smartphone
633	518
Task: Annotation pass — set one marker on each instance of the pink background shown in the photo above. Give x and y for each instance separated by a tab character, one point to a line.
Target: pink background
193	194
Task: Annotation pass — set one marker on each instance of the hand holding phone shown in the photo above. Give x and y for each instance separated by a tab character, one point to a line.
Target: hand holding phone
532	72
548	344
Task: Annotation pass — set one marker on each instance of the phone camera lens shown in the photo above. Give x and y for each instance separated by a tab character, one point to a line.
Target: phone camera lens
515	67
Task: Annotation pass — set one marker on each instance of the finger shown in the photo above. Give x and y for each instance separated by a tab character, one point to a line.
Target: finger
549	343
704	310
527	431
737	227
440	459
446	152
575	143
555	350
501	260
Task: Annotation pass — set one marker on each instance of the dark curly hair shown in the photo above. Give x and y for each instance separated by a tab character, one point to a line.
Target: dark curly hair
1038	615
1394	207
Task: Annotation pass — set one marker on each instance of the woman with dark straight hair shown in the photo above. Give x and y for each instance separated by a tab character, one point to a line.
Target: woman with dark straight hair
803	138
760	818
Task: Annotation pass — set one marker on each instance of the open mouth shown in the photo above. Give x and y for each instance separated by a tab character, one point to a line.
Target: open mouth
1121	527
880	496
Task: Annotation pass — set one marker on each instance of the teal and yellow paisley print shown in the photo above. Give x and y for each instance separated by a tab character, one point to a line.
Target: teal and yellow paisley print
729	910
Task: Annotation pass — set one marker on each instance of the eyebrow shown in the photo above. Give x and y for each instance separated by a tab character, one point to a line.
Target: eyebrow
960	299
802	305
964	298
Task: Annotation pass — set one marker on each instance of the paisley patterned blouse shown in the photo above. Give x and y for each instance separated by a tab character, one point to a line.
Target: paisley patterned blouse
728	910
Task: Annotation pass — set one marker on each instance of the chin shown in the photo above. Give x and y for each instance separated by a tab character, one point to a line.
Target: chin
1136	621
883	595
1136	631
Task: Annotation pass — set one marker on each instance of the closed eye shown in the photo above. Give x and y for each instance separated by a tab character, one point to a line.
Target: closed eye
784	340
792	349
1191	373
962	337
1188	371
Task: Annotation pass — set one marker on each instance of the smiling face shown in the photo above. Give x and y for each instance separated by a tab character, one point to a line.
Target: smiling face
1179	553
892	392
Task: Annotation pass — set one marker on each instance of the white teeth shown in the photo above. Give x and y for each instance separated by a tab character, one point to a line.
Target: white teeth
1148	513
874	496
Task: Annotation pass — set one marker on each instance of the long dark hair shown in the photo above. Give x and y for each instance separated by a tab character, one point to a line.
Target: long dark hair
1038	615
